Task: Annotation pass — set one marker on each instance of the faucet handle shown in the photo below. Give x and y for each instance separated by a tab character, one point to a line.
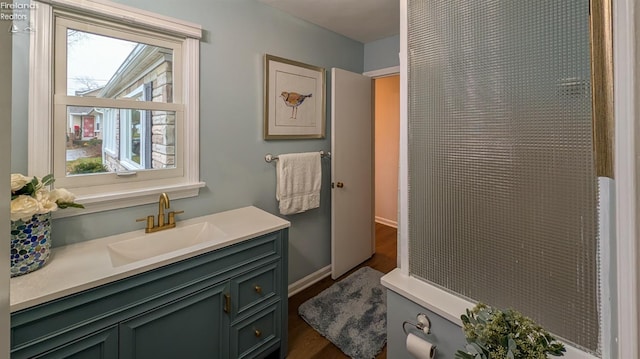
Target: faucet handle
172	216
149	221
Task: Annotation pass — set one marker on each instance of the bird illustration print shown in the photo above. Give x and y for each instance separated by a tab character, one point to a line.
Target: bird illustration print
293	100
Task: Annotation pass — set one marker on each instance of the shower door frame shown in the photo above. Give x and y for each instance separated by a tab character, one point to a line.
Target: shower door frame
622	97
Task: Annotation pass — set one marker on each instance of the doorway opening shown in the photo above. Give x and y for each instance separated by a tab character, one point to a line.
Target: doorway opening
386	119
304	341
387	147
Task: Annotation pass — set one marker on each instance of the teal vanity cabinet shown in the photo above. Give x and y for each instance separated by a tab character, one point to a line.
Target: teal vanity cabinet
227	303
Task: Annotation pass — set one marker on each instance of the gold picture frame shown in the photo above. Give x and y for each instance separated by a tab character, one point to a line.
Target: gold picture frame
294	103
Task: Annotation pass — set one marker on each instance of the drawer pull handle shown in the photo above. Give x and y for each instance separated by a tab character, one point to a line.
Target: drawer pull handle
258	289
227	303
257	333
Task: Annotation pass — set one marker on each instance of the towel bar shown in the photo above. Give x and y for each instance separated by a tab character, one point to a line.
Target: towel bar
269	157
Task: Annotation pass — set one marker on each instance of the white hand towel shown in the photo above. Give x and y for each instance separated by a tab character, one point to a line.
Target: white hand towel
298	180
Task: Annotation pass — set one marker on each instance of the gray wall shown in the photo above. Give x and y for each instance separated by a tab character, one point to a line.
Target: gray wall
445	335
5	141
382	53
237	34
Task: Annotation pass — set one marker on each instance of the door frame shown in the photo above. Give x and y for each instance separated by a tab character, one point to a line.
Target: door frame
627	174
378	74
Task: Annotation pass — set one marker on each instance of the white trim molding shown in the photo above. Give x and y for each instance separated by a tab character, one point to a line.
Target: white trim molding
626	22
308	281
386	222
403	178
39	155
129	15
129	198
386	72
191	88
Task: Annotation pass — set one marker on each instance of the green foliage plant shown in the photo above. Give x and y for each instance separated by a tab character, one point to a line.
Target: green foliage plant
88	167
496	334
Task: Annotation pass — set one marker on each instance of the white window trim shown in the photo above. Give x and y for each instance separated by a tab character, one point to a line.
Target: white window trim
129	15
125	136
108	137
125	141
40	141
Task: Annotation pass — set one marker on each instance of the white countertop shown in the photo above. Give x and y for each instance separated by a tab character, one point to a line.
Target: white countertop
86	265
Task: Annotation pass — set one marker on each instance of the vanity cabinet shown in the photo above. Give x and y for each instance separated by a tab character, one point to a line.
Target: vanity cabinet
228	303
102	344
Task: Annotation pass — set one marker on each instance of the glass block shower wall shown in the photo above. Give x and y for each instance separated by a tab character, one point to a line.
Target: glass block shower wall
502	188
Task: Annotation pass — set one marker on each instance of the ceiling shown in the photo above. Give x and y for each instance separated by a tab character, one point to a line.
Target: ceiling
360	20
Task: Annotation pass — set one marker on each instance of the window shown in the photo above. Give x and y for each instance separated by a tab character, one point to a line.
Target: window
124	100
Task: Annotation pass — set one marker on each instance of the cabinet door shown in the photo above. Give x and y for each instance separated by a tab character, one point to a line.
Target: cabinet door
191	327
100	345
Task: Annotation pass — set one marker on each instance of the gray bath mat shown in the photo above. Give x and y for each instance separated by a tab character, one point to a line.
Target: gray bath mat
352	314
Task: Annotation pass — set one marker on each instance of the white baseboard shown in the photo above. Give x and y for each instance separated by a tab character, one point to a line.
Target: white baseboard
387	222
311	279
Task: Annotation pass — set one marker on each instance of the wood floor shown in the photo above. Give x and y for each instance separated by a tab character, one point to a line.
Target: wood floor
306	343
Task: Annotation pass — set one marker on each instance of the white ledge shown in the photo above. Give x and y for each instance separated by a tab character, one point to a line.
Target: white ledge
445	304
128	198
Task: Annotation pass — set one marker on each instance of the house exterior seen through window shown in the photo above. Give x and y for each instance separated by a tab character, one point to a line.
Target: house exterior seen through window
133	139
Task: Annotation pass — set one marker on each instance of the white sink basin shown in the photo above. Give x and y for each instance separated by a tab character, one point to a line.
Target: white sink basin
166	241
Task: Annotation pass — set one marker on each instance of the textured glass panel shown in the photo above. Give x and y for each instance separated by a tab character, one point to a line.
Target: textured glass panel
502	188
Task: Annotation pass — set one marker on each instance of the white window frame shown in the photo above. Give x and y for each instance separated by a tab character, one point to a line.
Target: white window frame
109	131
125	135
122	191
125	141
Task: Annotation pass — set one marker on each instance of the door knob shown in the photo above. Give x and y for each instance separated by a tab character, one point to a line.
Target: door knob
340	184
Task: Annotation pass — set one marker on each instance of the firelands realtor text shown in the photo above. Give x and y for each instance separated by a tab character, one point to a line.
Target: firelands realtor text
4	6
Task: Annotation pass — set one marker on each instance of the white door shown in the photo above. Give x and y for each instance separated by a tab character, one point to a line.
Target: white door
352	239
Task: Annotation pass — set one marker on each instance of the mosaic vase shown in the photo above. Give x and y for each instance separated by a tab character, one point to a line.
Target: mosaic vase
30	243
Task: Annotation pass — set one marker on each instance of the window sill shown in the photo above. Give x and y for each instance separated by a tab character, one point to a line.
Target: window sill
96	202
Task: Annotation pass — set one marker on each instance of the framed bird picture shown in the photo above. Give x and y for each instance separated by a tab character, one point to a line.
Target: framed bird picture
294	105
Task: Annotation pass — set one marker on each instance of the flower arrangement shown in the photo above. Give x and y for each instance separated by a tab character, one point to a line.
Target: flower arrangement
496	334
31	196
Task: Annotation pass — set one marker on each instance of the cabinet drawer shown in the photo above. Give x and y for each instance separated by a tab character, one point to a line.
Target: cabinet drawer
251	289
253	336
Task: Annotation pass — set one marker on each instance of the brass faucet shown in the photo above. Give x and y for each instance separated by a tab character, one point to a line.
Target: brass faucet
163	203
